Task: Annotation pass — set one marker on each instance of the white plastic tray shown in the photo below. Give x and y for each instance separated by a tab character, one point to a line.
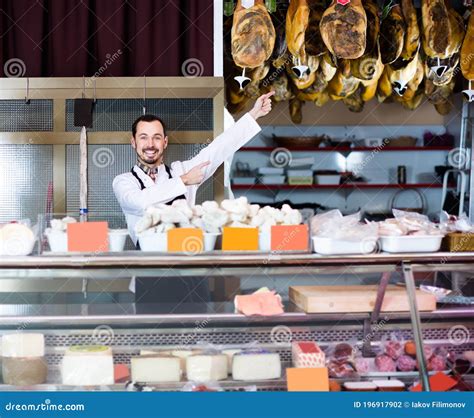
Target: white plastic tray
411	243
329	246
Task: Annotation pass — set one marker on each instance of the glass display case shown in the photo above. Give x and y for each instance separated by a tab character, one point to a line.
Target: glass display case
129	327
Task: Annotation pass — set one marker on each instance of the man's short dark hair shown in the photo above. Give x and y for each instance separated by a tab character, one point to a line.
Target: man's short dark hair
147	118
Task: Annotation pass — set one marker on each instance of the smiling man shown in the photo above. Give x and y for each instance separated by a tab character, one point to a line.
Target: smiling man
151	182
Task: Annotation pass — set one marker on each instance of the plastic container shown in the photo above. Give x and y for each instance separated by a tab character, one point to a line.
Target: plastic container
153	241
57	240
117	238
327	179
243	181
210	240
329	246
411	243
264	241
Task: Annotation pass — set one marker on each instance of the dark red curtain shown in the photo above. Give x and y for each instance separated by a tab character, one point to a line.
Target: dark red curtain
71	38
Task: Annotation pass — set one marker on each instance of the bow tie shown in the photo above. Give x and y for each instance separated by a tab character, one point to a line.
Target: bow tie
151	172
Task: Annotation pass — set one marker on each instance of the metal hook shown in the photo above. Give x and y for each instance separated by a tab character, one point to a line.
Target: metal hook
144	94
27	98
243	80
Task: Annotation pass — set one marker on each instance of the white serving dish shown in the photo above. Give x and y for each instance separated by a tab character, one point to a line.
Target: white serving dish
153	241
411	243
327	179
329	246
265	241
117	239
210	239
57	240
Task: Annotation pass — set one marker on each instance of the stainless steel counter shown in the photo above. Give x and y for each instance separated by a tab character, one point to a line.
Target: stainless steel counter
220	259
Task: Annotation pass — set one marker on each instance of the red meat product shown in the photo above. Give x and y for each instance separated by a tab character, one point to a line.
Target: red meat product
385	363
362	365
344	352
394	349
340	369
406	363
437	363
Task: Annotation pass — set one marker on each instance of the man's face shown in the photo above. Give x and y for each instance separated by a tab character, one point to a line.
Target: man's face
150	142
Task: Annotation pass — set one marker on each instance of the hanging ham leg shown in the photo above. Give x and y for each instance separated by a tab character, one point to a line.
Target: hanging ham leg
253	35
436	28
344	29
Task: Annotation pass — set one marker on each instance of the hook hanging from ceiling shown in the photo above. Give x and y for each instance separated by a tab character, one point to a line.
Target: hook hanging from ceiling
27	97
144	94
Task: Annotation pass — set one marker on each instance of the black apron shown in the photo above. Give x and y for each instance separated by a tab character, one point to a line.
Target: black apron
172	290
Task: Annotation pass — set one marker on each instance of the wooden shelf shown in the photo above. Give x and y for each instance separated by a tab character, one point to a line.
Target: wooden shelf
339	186
346	149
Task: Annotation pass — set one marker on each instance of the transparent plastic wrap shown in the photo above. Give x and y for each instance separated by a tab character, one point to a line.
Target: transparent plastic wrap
408	224
335	234
17	238
341	360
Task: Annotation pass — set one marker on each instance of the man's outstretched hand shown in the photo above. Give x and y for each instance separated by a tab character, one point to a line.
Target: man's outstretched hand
262	106
195	175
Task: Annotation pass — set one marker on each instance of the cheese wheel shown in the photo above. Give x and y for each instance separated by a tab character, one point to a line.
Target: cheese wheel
203	368
156	369
23	345
16	240
256	366
183	355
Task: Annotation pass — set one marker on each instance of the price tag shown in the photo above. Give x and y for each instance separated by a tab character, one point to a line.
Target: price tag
343	2
239	239
307	380
185	240
88	237
289	238
247	4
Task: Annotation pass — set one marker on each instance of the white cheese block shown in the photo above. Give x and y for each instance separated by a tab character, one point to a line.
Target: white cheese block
183	355
256	366
206	367
156	369
230	353
87	370
23	345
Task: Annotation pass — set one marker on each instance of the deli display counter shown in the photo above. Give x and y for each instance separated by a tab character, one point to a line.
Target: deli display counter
131	329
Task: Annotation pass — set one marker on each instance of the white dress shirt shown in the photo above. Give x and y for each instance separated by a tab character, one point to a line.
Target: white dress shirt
134	201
